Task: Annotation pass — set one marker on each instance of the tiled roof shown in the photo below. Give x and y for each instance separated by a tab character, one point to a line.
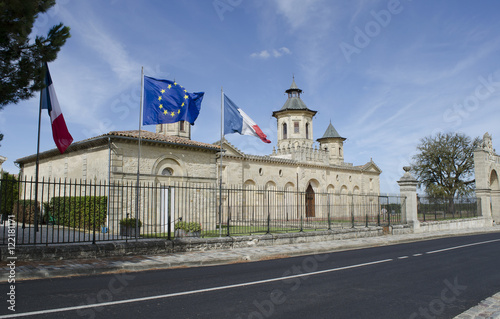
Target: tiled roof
294	103
150	136
331	132
102	139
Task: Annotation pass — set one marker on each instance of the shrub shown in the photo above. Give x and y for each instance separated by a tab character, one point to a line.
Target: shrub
130	222
83	212
188	227
9	194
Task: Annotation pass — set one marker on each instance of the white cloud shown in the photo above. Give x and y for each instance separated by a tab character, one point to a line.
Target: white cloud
297	12
276	53
264	54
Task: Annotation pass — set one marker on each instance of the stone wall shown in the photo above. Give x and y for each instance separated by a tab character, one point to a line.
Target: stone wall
186	164
408	188
161	246
282	174
89	164
455	224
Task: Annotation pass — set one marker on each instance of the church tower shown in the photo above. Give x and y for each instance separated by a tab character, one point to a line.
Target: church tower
179	129
334	144
295	125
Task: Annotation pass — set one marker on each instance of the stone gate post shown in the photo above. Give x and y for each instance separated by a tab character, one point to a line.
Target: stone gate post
486	169
408	190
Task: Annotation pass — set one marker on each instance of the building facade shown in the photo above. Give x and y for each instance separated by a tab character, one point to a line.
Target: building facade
298	163
170	155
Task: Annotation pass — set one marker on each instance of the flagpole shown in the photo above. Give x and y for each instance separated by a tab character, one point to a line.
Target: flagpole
221	157
139	159
37	160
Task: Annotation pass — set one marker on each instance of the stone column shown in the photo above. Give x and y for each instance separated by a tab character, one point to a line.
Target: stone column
495	206
408	190
484	195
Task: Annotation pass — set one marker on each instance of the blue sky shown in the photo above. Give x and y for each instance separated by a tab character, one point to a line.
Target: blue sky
386	73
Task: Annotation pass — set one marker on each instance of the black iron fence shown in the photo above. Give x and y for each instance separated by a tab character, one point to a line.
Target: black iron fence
432	208
69	211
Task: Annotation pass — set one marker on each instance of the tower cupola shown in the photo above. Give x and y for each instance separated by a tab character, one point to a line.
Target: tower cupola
295	121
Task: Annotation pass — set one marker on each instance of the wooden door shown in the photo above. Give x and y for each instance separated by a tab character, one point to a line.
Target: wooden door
310	202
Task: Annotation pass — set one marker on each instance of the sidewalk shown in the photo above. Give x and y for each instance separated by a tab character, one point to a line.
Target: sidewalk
487	309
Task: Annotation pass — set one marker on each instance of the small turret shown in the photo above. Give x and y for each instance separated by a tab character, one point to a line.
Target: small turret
334	144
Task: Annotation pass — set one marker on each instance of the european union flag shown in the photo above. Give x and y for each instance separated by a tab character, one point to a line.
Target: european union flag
169	102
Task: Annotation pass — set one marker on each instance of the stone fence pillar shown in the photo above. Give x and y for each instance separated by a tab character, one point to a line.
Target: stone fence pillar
408	190
484	195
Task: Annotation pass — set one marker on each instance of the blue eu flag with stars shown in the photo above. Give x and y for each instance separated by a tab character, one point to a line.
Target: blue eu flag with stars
169	102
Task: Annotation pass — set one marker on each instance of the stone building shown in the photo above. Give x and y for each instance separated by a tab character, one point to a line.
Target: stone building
296	162
170	155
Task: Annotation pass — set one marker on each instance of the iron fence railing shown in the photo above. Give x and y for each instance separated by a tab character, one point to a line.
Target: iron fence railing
432	208
70	211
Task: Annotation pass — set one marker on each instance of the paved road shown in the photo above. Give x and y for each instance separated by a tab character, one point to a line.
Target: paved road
430	279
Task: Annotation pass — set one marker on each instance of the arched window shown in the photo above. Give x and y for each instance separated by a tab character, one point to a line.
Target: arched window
167	172
284	131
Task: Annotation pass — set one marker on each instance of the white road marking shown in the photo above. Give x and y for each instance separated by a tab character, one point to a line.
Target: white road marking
463	246
252	283
111	303
417	255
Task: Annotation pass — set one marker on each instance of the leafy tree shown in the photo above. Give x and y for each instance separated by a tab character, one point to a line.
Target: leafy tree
444	165
21	60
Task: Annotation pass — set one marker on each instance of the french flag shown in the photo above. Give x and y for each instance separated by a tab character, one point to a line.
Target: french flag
237	121
60	132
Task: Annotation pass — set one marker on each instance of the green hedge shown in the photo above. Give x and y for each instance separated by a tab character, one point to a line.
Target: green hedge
9	194
78	212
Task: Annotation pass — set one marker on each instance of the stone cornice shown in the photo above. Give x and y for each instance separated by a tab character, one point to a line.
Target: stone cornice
275	160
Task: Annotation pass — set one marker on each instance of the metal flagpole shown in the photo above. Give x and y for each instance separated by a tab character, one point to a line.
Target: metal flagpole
139	160
37	160
221	156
